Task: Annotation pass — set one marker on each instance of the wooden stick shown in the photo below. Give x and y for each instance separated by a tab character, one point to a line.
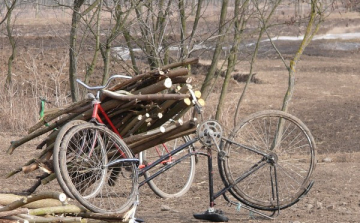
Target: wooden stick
57	210
143	137
29	199
185	62
14	212
6	199
40	219
41	156
190	125
178	107
154	88
154	72
181	80
39	132
47	118
146	97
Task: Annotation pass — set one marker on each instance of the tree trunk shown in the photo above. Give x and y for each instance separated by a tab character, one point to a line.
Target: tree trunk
12	41
91	66
205	88
232	59
72	50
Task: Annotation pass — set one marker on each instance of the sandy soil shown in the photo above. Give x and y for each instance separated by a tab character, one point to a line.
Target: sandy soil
326	99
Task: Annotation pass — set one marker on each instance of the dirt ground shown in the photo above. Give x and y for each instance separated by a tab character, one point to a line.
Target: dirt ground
326	99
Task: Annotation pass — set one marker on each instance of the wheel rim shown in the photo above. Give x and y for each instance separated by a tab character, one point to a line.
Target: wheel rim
177	180
285	172
84	155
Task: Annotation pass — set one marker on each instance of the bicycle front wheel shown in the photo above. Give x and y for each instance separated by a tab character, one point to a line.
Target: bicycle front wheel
270	159
59	138
93	165
177	180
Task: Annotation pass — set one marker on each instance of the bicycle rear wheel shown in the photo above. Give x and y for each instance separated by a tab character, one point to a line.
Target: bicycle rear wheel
277	172
84	156
177	180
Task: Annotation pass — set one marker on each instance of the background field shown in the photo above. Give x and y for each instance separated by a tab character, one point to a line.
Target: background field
326	99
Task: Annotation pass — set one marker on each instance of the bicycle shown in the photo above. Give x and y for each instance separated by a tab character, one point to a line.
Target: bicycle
276	150
161	186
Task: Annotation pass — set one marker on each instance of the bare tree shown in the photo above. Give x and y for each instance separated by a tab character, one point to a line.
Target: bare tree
205	89
8	10
10	6
239	25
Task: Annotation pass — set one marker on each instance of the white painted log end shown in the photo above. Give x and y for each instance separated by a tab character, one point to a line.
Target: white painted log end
62	197
168	83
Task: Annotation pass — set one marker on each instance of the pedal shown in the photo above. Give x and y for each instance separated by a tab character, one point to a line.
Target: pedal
213	216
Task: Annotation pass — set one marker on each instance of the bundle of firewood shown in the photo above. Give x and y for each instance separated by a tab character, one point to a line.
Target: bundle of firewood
50	207
146	110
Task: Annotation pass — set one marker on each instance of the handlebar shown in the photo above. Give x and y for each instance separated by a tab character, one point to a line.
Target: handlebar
104	86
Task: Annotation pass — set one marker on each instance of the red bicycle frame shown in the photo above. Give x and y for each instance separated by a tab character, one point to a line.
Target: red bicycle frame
95	116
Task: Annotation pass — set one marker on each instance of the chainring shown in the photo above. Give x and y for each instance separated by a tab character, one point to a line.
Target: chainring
209	132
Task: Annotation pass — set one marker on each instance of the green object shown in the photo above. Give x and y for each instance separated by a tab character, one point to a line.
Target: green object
42	109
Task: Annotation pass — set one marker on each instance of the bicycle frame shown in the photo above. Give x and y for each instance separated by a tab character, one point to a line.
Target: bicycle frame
227	187
95	117
210	134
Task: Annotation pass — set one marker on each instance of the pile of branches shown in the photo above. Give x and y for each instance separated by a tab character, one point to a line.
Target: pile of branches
146	110
50	207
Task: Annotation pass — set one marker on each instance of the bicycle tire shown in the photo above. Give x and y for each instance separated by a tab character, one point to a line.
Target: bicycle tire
282	179
177	180
59	138
84	154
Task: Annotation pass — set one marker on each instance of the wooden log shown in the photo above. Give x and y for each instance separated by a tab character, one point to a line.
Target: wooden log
107	106
48	179
39	132
146	97
35	165
135	119
169	103
47	118
14	212
57	210
171	113
41	156
153	72
30	168
50	139
185	62
117	217
197	94
136	148
181	80
177	72
141	138
16	219
48	219
155	88
29	199
6	199
121	109
135	127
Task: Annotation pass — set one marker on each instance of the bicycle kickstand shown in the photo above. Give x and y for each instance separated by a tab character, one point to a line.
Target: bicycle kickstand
130	215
